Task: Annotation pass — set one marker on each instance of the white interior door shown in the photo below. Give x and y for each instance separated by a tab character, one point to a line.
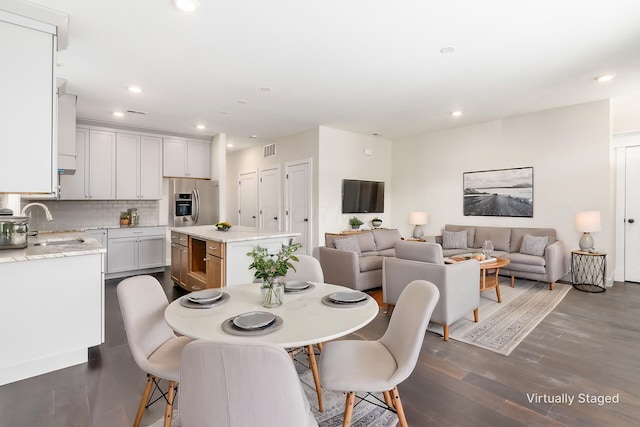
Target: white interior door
298	184
632	215
248	199
270	199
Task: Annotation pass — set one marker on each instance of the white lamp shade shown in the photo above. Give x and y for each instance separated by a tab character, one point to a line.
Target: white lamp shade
588	221
418	218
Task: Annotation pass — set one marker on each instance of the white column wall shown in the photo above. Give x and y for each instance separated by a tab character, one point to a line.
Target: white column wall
342	156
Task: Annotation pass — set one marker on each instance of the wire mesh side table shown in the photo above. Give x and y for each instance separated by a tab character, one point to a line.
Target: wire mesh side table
588	271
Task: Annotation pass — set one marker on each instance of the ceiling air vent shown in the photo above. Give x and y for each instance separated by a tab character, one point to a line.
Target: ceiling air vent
142	113
269	150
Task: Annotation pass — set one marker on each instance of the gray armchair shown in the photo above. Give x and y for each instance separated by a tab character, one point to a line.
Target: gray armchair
458	283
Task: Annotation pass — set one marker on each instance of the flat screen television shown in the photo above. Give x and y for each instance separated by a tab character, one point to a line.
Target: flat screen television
362	196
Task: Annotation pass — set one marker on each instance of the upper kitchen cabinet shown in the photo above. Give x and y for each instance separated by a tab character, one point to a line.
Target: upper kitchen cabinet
95	176
138	167
67	133
28	105
186	158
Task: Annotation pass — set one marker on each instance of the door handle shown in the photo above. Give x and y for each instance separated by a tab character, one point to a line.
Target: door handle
253	217
306	220
275	218
631	220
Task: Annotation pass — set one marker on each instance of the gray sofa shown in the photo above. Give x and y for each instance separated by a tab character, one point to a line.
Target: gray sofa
457	283
549	266
356	261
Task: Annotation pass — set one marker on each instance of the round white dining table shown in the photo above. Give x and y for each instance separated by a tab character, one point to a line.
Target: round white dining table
306	319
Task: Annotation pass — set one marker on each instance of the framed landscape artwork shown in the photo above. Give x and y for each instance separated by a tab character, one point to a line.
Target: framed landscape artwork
501	192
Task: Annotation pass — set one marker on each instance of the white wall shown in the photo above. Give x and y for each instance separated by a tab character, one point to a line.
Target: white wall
342	156
569	149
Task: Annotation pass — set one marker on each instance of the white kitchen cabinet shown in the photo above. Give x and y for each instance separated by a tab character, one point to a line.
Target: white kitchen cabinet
28	105
54	329
67	132
138	167
186	158
72	187
95	176
135	250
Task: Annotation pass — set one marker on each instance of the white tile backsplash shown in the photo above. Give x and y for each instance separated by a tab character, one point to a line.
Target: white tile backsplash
71	215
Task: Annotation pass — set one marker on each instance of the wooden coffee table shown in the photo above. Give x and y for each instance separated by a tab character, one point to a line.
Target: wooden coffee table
488	280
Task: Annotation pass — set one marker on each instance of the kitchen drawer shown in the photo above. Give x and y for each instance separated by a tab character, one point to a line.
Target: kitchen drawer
215	248
179	238
116	233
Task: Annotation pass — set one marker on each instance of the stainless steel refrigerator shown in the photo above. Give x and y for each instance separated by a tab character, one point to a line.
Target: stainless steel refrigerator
193	202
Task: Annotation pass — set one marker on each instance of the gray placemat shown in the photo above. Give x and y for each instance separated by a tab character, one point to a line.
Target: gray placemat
232	329
297	291
185	302
327	301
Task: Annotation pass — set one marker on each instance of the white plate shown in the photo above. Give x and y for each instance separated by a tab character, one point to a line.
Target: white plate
253	320
204	296
348	296
295	285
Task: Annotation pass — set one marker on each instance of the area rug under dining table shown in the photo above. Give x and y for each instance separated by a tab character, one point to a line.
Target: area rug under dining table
503	326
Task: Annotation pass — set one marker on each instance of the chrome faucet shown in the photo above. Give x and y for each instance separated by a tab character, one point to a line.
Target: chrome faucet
46	210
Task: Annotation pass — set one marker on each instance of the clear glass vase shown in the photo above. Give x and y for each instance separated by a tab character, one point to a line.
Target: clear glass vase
487	248
272	293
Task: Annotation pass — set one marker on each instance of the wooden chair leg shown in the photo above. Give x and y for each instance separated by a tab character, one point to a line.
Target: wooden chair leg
446	332
348	409
144	400
316	376
387	399
319	346
168	412
513	281
398	405
476	315
550	286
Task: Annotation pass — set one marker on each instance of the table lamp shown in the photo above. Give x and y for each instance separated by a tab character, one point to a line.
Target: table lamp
418	219
587	222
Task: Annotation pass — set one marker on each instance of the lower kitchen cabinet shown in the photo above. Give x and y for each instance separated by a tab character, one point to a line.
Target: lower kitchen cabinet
179	258
135	250
197	263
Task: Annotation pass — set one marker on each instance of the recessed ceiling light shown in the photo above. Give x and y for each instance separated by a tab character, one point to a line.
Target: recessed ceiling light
253	136
118	113
447	49
242	101
186	5
266	89
134	89
200	127
456	113
604	78
223	113
229	145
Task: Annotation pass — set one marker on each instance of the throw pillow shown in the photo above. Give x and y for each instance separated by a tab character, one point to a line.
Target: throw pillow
454	239
349	244
533	245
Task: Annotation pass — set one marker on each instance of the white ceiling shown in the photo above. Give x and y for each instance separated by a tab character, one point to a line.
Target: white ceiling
366	66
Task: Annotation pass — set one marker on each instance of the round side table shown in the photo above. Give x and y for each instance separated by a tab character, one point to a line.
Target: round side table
588	270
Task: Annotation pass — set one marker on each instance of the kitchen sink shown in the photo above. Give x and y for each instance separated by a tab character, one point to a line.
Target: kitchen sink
73	241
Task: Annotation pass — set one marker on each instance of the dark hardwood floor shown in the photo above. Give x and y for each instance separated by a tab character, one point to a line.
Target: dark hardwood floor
588	346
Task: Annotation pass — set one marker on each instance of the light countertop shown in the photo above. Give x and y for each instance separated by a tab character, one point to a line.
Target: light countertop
237	233
36	252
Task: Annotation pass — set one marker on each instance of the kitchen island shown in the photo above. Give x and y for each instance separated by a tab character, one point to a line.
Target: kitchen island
52	305
203	257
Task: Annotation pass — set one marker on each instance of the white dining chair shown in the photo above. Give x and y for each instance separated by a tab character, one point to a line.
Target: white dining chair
240	385
379	366
154	346
308	268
